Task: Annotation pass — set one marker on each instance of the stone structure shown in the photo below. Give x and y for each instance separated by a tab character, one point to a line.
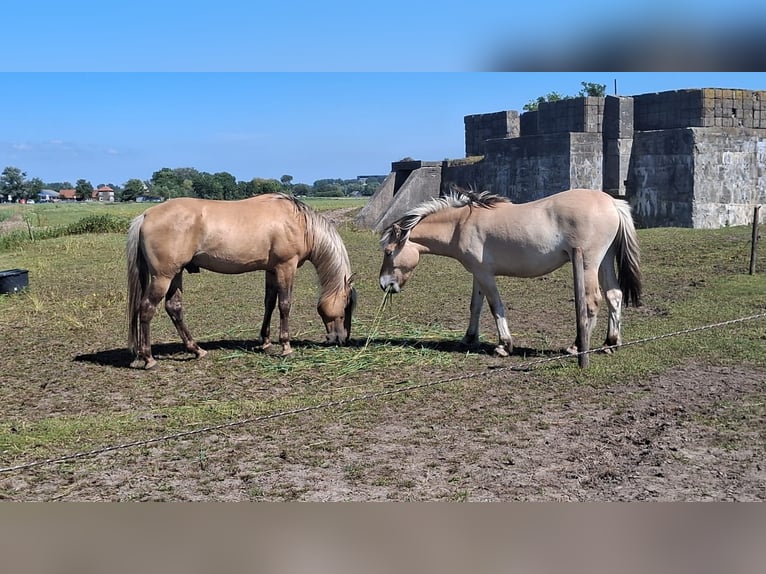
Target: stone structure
686	158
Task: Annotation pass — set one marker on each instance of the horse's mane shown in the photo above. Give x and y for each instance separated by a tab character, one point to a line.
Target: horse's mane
457	197
328	252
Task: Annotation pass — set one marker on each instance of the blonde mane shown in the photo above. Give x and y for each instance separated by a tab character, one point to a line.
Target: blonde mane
400	229
328	252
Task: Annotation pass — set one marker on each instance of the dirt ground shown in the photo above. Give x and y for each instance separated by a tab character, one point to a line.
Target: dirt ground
567	446
500	436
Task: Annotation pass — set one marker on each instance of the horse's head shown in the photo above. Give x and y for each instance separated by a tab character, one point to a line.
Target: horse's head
336	311
400	257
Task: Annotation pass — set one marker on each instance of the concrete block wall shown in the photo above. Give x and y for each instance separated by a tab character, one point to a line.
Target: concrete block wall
586	161
572	115
729	177
528	123
409	184
528	168
697	177
687	158
618	143
482	127
661	178
705	108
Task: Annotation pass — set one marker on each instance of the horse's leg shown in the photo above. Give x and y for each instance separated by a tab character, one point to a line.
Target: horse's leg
285	276
611	288
175	308
488	285
269	302
592	302
158	286
477	300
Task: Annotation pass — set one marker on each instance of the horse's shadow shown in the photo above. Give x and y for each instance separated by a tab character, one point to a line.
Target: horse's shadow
122	358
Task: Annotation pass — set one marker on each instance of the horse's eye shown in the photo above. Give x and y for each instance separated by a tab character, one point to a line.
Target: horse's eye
388	252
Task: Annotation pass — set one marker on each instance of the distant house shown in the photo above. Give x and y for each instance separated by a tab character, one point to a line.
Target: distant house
67	194
48	195
103	193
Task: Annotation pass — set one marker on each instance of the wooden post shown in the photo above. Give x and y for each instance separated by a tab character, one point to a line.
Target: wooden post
581	308
754	240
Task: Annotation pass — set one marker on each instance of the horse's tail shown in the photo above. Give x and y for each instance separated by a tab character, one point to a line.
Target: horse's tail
628	255
138	281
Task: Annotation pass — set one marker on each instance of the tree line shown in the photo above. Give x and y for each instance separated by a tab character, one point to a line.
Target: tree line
167	183
588	89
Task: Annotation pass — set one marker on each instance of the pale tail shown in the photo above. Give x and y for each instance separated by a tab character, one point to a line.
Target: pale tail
628	256
138	281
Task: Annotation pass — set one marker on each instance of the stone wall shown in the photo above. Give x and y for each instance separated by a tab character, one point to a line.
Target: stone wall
697	177
687	158
520	168
705	108
572	115
559	146
482	127
618	143
729	177
409	184
661	178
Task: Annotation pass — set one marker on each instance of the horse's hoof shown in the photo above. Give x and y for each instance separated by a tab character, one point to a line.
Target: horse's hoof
200	353
286	353
266	345
150	364
571	350
501	351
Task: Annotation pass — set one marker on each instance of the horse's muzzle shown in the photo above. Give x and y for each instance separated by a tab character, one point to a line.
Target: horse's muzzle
389	284
338	339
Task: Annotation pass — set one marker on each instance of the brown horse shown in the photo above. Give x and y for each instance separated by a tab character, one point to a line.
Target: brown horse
273	232
491	236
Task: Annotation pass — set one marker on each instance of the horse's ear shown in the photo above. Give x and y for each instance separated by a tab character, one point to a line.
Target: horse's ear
350	280
397	232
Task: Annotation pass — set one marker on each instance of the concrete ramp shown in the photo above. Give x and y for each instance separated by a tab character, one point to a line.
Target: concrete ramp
409	184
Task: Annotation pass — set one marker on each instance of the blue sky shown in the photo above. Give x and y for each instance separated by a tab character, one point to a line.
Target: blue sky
112	91
110	127
332	35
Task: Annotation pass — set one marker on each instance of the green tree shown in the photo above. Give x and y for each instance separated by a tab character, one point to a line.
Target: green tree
245	189
227	184
353	187
592	89
286	181
532	105
12	182
59	185
187	175
204	186
172	182
302	189
588	89
267	186
33	187
83	189
329	188
132	189
370	187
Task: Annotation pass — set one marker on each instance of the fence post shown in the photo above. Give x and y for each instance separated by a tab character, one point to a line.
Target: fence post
581	308
754	240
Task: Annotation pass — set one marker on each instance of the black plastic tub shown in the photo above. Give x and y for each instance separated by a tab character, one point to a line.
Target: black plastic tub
13	280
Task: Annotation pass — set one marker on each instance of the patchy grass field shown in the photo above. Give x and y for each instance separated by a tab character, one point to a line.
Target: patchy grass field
682	418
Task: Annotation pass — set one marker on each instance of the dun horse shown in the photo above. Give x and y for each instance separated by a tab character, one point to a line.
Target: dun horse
491	236
274	232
